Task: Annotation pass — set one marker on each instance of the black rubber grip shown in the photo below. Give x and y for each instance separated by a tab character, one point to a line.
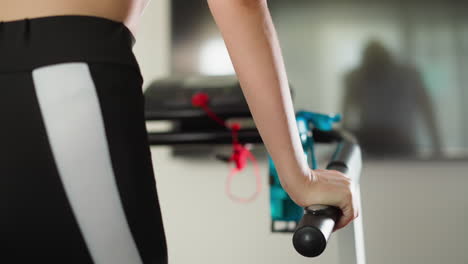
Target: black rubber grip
314	230
316	226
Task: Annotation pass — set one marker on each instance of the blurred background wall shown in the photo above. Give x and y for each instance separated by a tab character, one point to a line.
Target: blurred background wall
415	209
323	42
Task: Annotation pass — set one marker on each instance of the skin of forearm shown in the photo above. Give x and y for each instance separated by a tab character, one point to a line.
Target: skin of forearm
251	39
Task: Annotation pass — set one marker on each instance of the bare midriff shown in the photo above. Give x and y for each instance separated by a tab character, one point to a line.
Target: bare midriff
125	11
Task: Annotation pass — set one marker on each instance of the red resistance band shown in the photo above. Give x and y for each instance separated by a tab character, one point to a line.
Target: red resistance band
240	153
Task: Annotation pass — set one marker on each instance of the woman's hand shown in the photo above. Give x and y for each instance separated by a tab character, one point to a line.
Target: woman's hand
327	187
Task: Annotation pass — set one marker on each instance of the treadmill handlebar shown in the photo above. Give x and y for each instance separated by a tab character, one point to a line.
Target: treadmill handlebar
316	226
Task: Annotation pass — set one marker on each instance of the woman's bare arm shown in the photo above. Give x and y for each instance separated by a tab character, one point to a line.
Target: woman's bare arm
250	36
251	39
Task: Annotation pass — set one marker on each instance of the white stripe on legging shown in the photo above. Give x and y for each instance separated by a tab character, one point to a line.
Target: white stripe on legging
74	123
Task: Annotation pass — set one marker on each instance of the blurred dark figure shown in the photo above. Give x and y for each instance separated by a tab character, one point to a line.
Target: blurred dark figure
385	102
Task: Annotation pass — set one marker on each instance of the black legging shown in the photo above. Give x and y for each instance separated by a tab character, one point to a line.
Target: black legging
76	177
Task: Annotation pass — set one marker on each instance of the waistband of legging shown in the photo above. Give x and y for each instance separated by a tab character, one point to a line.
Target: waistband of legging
31	43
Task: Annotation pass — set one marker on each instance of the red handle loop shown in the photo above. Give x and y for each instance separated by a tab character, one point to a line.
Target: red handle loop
240	154
241	162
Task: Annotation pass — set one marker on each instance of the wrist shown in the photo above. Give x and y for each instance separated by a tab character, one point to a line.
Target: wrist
296	183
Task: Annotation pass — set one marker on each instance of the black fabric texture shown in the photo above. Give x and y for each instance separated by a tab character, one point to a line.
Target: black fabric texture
37	224
32	43
122	105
